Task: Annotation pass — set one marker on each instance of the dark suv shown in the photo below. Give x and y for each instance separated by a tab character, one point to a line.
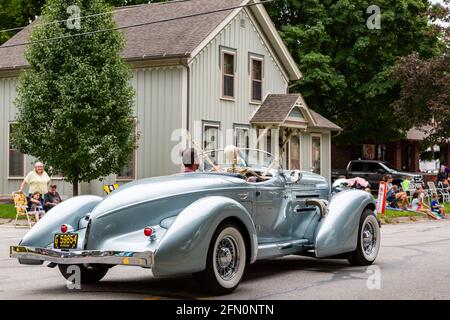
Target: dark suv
373	171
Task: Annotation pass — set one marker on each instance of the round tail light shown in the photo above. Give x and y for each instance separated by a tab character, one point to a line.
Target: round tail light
64	228
148	231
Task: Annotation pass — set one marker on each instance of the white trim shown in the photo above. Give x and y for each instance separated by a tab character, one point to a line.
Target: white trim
315	135
251	58
7	156
266	44
274	38
184	98
208	123
245	127
304	106
223	52
215	32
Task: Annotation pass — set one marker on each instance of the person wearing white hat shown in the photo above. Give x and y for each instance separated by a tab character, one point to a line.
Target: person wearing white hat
190	160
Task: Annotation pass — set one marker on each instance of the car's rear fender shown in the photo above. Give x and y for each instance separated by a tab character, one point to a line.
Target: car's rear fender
68	212
337	233
184	247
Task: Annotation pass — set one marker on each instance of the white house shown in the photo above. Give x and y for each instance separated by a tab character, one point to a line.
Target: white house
216	66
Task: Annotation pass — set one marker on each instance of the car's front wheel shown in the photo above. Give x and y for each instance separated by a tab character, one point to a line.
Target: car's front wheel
226	261
88	274
369	238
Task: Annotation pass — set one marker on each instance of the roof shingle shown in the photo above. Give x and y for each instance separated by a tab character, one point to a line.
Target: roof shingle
276	107
176	38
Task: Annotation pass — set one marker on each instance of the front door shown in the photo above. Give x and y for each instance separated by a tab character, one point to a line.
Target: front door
294	153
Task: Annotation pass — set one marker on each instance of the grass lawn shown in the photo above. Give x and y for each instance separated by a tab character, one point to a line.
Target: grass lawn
7	211
391	214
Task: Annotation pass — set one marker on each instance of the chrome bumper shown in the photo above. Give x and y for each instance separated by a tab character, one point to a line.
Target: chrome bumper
28	255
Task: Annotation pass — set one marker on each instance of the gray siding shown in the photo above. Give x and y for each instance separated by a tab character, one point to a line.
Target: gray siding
7	115
205	76
157	108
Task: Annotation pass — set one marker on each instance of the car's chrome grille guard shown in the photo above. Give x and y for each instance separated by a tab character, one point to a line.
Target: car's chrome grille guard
141	259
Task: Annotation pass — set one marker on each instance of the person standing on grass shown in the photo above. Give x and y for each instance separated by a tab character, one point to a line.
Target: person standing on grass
37	180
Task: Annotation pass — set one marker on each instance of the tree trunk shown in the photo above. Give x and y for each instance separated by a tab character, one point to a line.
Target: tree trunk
75	188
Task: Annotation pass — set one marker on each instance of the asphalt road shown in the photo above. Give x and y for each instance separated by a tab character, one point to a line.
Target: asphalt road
414	263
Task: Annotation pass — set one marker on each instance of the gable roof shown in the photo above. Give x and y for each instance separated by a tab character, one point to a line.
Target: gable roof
175	38
276	109
172	39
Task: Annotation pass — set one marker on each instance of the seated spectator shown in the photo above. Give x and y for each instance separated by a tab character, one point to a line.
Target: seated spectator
436	207
406	184
52	198
36	205
445	184
443	173
393	194
418	206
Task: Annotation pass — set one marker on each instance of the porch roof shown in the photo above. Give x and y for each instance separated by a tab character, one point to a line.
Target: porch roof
277	108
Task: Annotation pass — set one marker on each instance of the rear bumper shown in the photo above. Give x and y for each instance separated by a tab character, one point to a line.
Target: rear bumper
33	256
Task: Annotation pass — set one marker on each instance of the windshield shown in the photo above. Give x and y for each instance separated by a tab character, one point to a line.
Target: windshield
247	158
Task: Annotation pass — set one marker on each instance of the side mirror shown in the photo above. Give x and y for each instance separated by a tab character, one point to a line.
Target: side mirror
382	171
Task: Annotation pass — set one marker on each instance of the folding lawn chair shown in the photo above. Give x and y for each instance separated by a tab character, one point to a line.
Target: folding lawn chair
21	204
410	192
444	192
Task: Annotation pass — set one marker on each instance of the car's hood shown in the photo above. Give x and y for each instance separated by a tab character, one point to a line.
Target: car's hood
160	187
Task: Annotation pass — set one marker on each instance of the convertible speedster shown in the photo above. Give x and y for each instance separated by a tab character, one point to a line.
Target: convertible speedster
239	208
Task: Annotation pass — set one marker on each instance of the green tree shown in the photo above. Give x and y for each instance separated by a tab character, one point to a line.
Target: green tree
17	13
425	86
346	65
75	101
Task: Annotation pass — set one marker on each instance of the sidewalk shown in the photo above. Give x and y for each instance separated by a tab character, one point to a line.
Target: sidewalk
20	222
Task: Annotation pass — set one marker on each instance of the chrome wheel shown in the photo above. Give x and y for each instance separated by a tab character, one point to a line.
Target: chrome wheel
227	258
369	238
370	234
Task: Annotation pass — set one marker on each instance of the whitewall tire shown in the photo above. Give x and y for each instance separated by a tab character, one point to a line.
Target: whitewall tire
226	261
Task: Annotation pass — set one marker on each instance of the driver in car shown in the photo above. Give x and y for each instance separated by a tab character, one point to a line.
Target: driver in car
190	160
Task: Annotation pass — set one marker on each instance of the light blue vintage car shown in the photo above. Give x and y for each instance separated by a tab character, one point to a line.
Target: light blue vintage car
237	209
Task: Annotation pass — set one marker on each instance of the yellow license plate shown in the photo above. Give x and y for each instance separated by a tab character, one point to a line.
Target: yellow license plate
65	241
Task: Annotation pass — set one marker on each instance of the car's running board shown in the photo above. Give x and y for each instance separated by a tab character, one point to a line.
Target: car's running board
278	249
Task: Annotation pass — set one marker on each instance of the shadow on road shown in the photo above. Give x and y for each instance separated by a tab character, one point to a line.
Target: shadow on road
187	288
